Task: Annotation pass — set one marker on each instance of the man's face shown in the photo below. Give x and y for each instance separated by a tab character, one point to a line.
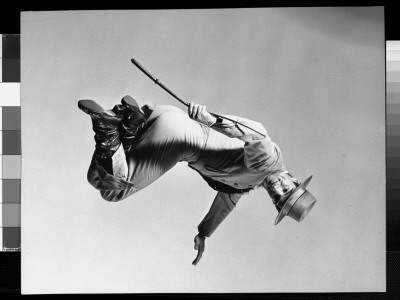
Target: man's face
281	185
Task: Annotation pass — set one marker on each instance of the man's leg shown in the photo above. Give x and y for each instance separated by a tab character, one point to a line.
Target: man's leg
134	120
169	137
108	169
105	125
116	188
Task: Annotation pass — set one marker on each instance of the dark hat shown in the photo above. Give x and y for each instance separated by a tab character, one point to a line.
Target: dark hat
298	204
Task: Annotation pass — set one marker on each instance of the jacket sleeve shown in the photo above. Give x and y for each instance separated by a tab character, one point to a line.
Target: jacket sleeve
235	130
259	152
221	207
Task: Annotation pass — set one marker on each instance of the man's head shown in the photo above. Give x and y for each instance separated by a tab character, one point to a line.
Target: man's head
289	195
280	185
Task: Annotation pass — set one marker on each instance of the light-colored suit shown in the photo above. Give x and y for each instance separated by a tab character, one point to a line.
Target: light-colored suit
232	158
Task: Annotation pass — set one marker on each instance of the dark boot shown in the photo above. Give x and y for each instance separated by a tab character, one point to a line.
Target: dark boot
134	120
105	125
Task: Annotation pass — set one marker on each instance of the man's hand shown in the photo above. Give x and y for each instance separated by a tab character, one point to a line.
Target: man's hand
199	244
200	114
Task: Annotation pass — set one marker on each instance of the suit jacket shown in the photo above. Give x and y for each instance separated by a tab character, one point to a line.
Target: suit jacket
234	161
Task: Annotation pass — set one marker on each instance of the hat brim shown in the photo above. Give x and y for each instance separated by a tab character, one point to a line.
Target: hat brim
290	201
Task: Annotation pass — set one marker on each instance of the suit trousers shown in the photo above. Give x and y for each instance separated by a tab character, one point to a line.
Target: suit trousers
168	137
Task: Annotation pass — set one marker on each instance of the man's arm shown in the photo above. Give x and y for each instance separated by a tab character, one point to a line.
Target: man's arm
226	127
259	152
235	130
222	205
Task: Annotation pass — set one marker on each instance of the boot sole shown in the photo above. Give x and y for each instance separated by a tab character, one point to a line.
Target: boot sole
132	104
90	107
129	102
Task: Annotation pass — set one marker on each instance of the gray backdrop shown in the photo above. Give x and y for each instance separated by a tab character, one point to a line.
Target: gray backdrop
315	77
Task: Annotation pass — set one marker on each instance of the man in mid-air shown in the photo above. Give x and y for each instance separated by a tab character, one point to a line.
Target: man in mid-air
136	145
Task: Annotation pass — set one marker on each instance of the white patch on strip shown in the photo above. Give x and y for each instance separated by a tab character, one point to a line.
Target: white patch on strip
10	94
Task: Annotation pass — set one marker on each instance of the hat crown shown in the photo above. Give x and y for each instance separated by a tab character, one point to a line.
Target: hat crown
302	206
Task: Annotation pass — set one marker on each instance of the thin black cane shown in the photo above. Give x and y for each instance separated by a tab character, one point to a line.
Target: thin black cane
156	81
